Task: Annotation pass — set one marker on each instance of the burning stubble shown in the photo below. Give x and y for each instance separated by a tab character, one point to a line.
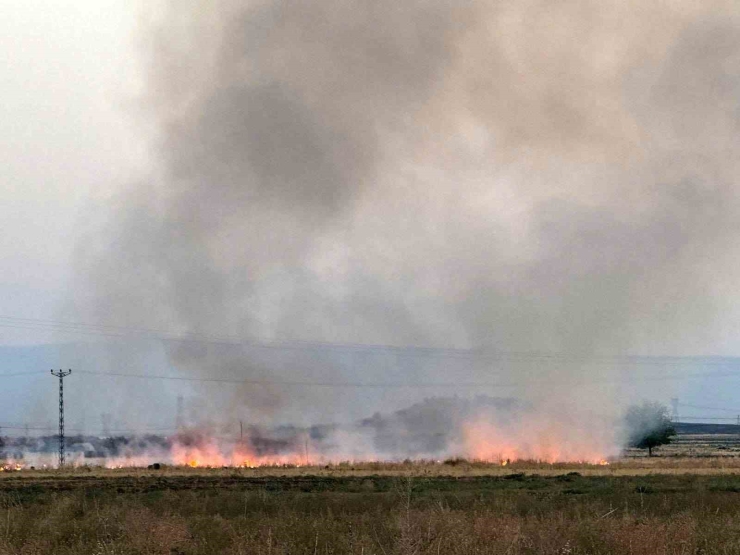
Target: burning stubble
508	176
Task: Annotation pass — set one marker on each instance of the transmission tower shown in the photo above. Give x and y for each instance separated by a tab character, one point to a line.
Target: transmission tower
61	375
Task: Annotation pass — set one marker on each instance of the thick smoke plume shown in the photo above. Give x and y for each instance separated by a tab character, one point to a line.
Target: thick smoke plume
507	176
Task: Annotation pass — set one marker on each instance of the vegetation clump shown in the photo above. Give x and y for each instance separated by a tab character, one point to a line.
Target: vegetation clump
648	426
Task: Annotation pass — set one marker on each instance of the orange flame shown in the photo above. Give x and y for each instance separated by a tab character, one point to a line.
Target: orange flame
534	437
536	440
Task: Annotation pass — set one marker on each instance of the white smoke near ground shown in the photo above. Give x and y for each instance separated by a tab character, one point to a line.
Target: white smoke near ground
482	428
510	177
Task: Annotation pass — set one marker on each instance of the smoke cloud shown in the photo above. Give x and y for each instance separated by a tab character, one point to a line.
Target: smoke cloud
529	176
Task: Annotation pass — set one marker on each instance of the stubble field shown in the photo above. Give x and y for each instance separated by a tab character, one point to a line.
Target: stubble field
661	505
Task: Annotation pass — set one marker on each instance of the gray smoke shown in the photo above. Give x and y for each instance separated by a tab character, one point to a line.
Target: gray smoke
509	176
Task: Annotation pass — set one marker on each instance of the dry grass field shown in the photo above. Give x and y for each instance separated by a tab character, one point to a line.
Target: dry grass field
686	500
667	505
626	466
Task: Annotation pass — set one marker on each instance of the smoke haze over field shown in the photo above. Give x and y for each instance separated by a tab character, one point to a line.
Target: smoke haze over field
508	176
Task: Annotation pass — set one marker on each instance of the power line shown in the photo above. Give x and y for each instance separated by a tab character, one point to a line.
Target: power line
293	382
286	382
398	350
86	430
703	407
458	384
382	385
31	372
686	418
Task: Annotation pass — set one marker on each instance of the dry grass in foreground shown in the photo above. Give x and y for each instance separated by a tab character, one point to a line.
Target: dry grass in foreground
512	515
633	466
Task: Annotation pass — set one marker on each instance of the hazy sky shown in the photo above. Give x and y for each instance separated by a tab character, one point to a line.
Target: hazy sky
74	136
70	138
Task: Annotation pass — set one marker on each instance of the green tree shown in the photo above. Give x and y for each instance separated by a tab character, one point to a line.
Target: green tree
648	425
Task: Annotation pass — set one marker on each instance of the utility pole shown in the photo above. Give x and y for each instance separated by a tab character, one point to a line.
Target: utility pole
61	375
